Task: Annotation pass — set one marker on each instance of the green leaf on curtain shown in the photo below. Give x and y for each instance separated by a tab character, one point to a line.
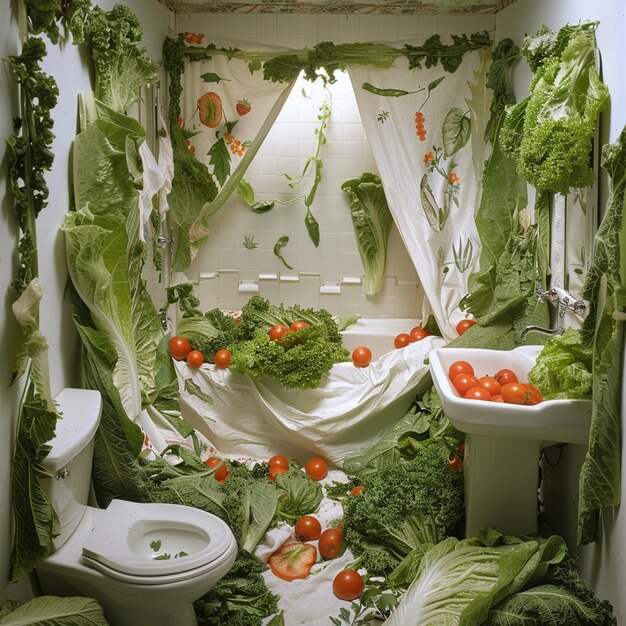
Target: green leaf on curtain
387	93
219	158
455	131
245	192
430	205
212	77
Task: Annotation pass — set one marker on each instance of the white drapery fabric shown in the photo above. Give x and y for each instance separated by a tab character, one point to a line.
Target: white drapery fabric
425	128
231	107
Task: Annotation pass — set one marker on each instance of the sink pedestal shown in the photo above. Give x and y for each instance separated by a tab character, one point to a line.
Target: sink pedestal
501	484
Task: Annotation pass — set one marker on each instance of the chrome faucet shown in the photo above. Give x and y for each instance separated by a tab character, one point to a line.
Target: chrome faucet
564	301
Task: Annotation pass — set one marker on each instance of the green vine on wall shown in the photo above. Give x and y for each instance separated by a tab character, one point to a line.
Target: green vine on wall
29	156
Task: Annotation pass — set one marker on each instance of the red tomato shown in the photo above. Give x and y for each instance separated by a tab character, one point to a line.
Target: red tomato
477	393
491	385
316	468
299	325
516	393
279	460
455	462
195	358
535	396
464	382
179	348
308	528
277	332
463	325
329	543
402	340
274	471
222	358
348	585
417	334
221	474
357	490
460	367
497	399
361	356
461	448
504	377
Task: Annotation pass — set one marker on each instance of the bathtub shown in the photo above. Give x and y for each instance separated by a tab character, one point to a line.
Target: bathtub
377	333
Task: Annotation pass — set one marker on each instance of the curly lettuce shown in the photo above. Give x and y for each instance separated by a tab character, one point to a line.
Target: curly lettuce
550	134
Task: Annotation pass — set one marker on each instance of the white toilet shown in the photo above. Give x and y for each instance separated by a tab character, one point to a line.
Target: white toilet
145	563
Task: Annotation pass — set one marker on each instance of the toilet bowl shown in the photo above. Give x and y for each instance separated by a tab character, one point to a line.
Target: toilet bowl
146	563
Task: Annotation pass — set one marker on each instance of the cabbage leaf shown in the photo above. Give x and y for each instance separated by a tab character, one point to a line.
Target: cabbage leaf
53	611
372	221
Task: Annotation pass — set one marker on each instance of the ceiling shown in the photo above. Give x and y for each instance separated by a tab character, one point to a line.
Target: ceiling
342	7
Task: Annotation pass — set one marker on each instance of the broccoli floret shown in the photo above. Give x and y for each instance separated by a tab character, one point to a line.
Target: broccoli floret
560	116
241	598
403	506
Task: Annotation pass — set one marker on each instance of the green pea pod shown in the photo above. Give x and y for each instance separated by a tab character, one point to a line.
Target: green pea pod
429	204
313	228
393	93
278	246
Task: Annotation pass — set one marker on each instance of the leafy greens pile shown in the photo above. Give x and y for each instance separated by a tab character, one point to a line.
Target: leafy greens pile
301	358
550	133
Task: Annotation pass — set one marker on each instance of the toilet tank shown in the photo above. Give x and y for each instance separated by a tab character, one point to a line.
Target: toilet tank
69	460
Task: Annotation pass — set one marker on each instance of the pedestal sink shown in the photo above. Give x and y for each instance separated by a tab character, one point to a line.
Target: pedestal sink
501	461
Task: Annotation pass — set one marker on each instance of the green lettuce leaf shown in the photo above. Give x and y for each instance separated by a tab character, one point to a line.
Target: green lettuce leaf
53	611
372	221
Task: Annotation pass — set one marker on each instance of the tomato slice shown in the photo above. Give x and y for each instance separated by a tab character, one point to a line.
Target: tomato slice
293	561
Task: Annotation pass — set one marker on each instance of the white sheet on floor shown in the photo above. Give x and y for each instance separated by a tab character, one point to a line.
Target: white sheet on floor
351	408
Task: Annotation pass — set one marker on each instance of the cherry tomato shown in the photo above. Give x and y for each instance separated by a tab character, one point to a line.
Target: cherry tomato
497	398
316	468
516	393
277	332
491	385
195	358
279	460
357	490
504	377
461	448
477	393
275	471
417	334
329	543
179	348
535	396
361	356
464	382
463	325
308	528
222	472
402	340
299	325
460	367
222	358
348	585
456	462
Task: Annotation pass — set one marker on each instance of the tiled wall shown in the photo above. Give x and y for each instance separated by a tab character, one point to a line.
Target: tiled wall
329	276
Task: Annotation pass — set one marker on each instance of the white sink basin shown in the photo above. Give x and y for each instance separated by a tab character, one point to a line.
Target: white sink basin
560	421
504	441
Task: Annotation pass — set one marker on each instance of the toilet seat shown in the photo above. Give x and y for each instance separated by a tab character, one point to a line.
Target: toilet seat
156	542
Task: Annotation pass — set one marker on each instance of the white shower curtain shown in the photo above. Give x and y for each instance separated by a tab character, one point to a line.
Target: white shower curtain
425	127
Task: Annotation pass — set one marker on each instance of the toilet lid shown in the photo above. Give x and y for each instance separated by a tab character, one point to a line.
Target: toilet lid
150	539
